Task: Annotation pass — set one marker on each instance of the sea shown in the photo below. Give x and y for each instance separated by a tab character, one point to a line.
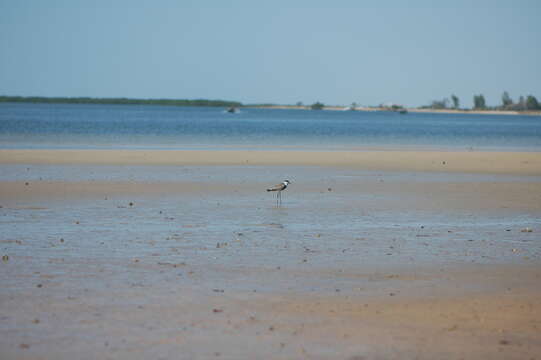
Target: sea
95	126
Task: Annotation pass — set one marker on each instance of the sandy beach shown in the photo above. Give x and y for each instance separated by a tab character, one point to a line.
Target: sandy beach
141	254
408	109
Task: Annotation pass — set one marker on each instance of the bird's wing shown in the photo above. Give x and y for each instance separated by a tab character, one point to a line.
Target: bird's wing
277	187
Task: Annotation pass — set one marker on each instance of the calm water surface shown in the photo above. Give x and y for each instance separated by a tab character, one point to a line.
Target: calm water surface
142	127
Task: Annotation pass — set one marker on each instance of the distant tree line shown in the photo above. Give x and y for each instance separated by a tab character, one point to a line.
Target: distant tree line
524	103
479	102
119	101
527	103
317	106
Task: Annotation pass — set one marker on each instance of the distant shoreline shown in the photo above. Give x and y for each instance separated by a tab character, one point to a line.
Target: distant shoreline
412	110
237	104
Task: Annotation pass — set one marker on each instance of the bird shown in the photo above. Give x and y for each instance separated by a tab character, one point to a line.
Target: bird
279	187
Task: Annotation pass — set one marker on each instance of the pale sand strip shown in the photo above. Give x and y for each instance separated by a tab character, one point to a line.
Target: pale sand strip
520	163
412	110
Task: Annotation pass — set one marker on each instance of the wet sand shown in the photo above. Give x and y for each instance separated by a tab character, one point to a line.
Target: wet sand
473	195
163	255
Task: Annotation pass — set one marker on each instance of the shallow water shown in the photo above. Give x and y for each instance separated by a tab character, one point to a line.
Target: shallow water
324	222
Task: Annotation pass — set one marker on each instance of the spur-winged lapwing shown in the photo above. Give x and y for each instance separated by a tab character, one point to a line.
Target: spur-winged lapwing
279	188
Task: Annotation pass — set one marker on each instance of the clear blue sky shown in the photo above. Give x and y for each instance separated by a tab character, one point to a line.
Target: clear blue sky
370	52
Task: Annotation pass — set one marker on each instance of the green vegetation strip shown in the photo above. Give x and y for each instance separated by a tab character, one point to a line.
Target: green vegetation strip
121	101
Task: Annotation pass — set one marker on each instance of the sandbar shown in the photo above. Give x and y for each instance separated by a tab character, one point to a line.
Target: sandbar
523	163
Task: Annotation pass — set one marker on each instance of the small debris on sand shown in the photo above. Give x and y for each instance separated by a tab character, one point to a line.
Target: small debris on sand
217	310
171	264
528	230
5	258
24	346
